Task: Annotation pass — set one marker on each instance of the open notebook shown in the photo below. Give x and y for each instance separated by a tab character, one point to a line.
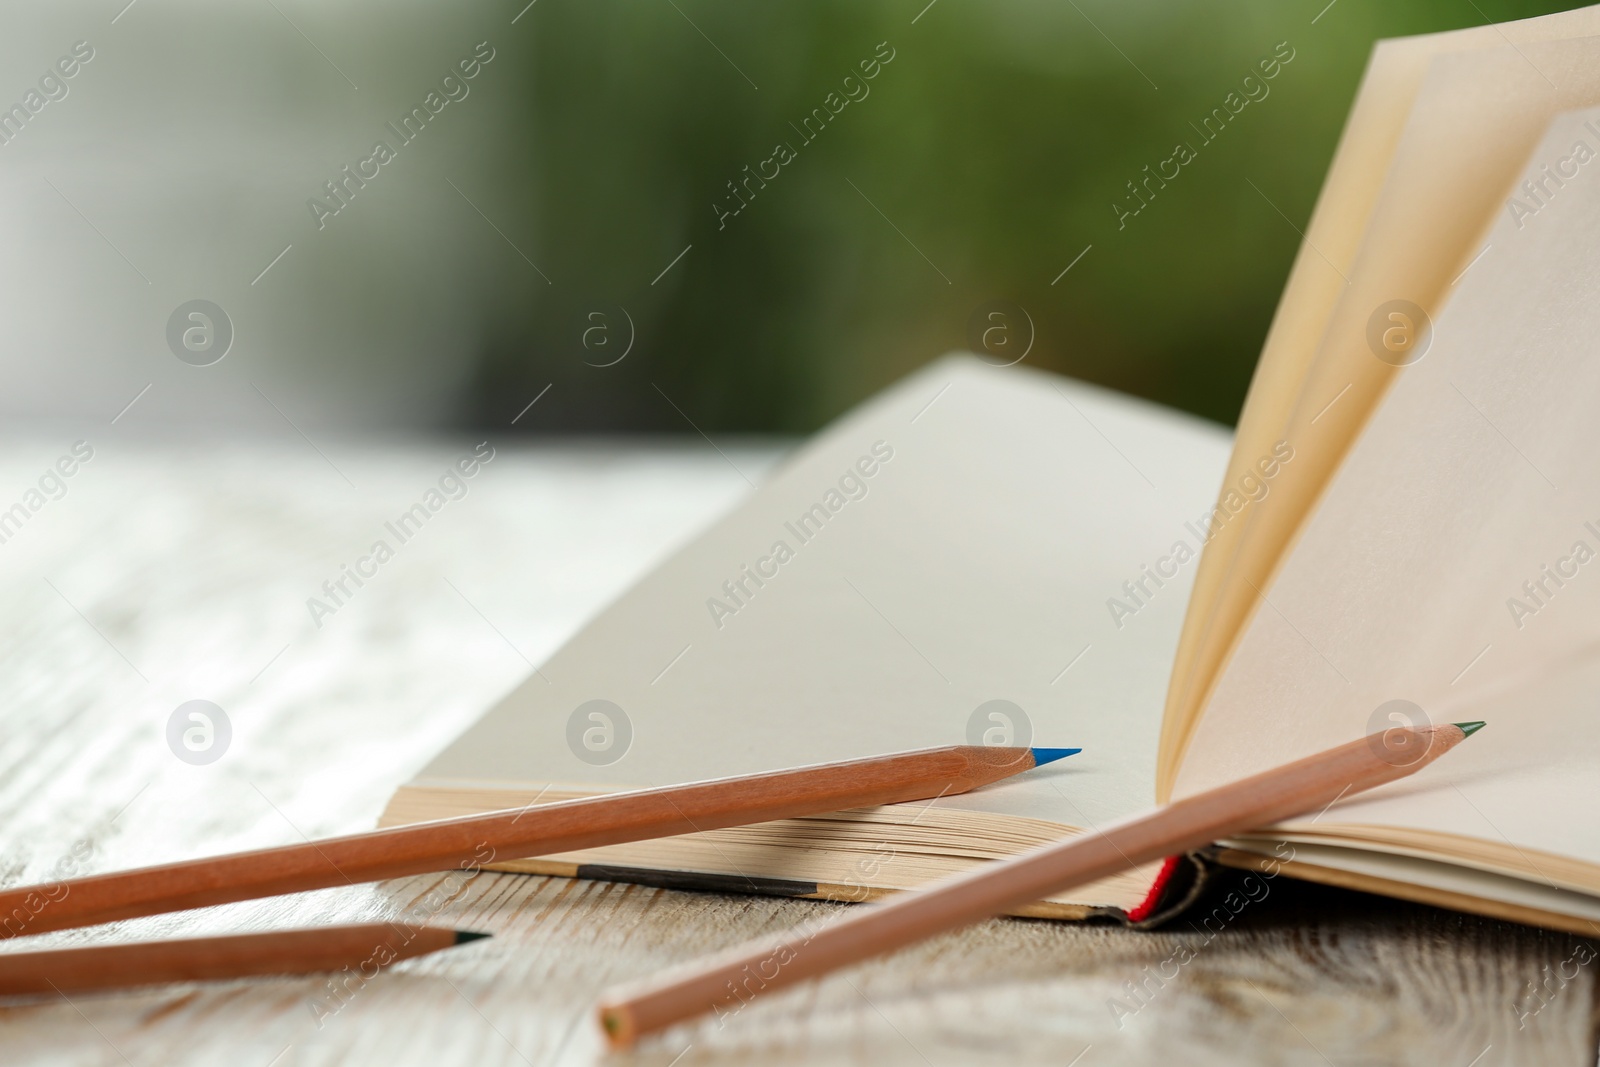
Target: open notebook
1410	511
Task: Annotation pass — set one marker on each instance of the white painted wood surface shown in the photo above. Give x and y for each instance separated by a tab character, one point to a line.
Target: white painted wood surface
168	573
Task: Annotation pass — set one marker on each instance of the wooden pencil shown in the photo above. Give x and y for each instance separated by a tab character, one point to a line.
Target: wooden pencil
472	842
363	948
726	982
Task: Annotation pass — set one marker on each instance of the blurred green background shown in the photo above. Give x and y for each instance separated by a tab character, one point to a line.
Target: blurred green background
995	143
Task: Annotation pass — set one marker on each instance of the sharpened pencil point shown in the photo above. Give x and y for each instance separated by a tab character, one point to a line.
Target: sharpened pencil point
1041	756
463	936
1469	728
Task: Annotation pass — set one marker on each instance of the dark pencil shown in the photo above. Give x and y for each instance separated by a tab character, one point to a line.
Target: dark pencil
365	948
474	841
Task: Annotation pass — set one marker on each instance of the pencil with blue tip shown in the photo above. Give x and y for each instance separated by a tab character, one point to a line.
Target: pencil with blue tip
475	841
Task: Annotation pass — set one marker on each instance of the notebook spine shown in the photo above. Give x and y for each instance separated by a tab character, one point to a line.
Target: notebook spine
1181	881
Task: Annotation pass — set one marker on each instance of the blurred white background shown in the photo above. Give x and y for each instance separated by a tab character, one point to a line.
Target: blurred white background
178	166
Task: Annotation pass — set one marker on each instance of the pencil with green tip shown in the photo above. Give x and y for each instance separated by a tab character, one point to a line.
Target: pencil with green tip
760	967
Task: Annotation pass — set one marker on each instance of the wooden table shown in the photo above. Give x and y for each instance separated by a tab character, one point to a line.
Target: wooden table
174	572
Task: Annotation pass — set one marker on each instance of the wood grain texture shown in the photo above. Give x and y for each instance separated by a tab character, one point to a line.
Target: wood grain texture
173	573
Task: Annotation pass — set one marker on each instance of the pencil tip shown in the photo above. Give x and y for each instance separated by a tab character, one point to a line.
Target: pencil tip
463	936
1041	756
1469	728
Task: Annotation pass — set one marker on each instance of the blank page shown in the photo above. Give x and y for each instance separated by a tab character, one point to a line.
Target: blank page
1476	480
1003	510
1474	117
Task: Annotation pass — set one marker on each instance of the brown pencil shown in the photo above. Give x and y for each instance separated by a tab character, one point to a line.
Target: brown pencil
474	841
726	982
363	948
